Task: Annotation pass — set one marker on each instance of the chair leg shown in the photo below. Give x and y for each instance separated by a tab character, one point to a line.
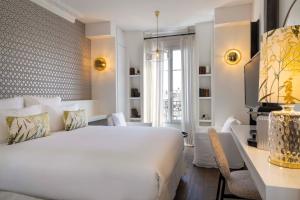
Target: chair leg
223	187
219	187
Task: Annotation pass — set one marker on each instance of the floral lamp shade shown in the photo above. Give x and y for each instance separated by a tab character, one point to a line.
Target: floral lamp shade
280	66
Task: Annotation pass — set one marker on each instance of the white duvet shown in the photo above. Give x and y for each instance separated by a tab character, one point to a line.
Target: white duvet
92	163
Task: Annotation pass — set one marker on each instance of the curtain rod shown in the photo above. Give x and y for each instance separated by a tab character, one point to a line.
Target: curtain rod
163	36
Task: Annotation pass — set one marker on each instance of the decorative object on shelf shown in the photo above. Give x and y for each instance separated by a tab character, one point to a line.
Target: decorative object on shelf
204	92
202	70
100	63
232	56
135	113
138	71
135	92
280	83
157	54
205	117
131	71
207	69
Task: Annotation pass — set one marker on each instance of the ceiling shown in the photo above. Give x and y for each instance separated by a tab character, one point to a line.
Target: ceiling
139	14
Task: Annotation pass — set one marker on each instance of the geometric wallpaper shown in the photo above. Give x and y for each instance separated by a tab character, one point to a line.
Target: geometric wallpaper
42	54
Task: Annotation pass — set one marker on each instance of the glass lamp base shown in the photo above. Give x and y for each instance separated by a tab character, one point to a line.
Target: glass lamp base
284	138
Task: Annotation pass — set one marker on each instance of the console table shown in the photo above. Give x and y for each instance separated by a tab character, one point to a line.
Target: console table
272	182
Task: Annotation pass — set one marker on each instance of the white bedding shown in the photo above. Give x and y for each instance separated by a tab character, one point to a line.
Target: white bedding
93	163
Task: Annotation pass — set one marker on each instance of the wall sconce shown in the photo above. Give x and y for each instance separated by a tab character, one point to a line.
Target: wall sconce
100	64
232	56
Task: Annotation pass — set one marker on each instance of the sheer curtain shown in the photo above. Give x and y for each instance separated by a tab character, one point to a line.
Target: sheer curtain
188	106
153	83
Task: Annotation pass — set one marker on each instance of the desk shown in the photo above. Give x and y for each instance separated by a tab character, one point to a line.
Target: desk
272	182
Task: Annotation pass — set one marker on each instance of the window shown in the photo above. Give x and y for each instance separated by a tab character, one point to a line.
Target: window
172	88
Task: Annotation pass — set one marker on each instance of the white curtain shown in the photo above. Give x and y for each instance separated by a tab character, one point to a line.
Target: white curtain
188	105
152	85
153	80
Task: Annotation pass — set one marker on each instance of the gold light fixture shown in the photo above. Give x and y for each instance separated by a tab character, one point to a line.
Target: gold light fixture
280	83
232	56
157	54
100	63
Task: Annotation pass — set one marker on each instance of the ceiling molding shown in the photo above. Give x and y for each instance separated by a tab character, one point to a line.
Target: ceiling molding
59	8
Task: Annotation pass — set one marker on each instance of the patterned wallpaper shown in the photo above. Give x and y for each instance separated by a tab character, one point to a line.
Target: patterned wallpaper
42	54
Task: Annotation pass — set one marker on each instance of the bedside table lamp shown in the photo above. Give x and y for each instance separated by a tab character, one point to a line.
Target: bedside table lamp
280	83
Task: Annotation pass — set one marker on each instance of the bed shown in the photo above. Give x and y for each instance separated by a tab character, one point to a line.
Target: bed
94	163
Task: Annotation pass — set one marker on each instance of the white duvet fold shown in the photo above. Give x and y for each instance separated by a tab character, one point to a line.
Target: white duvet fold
92	163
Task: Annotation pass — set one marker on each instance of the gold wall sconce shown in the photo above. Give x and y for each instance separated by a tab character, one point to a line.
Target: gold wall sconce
100	64
232	56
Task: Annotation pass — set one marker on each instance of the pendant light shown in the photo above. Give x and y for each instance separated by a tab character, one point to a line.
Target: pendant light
158	54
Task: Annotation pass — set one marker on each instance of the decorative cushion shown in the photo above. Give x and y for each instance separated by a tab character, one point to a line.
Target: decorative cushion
49	101
32	110
119	119
75	119
12	103
228	123
56	115
27	128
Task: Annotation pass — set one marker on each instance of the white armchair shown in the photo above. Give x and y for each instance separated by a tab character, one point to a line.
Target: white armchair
203	152
118	119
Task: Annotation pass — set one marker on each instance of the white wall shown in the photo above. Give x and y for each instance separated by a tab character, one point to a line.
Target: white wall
121	73
294	17
233	13
104	82
228	80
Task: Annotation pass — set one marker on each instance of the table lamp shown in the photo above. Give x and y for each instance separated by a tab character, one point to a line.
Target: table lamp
279	82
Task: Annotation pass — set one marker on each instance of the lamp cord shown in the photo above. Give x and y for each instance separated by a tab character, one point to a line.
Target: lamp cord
288	13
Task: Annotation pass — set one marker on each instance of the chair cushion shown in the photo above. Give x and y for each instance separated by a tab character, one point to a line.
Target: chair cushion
228	123
242	185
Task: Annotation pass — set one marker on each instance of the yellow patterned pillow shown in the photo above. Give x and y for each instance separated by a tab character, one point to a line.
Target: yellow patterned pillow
27	128
75	119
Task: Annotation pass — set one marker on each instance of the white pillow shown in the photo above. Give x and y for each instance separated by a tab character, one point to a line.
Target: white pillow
32	110
110	121
228	123
12	103
49	101
119	119
56	115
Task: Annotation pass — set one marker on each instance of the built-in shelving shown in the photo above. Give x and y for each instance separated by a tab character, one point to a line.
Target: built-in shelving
205	98
205	102
205	75
135	119
135	76
135	81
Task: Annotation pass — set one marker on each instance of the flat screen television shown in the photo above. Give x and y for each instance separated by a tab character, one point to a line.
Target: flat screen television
251	78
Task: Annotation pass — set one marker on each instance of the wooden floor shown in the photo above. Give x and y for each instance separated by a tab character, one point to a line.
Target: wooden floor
198	183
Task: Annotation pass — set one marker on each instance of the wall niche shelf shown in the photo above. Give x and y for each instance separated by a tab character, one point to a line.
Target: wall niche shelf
205	75
135	102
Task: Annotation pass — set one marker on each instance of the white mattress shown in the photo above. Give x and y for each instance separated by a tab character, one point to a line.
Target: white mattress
93	163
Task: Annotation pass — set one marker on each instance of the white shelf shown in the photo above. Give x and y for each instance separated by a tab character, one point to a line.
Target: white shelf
205	120
204	75
135	76
134	98
135	119
205	98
